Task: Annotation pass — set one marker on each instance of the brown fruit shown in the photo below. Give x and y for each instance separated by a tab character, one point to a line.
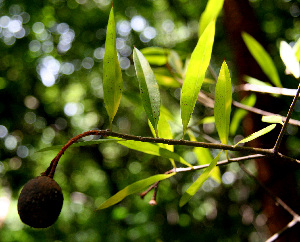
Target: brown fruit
40	202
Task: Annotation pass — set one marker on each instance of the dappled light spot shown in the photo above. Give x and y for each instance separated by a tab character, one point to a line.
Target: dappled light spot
31	102
10	142
138	23
228	177
30	117
3	131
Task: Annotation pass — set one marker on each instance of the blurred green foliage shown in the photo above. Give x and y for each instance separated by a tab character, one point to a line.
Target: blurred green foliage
51	90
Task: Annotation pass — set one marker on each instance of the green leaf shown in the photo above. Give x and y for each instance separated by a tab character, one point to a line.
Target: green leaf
164	130
175	62
148	87
239	114
263	59
190	192
257	134
153	149
296	49
272	119
210	13
254	81
289	58
223	101
156	55
133	188
204	156
207	120
195	74
112	75
79	144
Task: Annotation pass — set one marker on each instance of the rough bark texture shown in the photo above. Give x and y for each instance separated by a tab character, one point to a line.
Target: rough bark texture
277	176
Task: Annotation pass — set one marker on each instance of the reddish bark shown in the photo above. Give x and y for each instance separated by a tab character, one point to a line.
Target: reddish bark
277	176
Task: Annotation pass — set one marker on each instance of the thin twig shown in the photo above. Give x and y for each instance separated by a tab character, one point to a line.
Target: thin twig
296	217
266	89
291	224
283	129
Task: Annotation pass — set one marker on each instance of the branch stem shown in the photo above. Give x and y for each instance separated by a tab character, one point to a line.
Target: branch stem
283	129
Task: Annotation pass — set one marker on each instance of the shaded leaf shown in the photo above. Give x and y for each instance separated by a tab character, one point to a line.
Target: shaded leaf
175	62
210	13
156	55
257	134
153	149
195	74
148	87
239	114
272	119
133	188
112	75
289	58
223	101
263	59
204	156
190	192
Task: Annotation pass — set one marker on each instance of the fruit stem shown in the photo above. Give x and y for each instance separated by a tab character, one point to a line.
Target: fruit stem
51	169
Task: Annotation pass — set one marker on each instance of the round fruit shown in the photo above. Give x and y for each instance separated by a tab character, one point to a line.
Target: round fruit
40	202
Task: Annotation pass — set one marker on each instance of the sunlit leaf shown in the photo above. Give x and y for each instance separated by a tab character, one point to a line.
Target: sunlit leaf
257	134
210	13
239	114
272	119
153	149
112	75
254	81
296	49
263	59
190	192
195	74
204	156
79	144
207	120
289	58
223	101
164	130
148	87
156	55
164	78
175	62
133	188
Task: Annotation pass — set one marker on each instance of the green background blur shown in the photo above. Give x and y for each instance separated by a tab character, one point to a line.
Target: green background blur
51	58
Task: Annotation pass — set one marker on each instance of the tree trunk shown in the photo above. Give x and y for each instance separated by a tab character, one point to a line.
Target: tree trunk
278	176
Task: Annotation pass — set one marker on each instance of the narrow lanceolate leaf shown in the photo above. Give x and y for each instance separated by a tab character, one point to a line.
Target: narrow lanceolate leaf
190	192
289	58
195	74
263	59
239	114
153	149
210	13
148	87
275	119
133	188
257	134
112	75
204	156
223	100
